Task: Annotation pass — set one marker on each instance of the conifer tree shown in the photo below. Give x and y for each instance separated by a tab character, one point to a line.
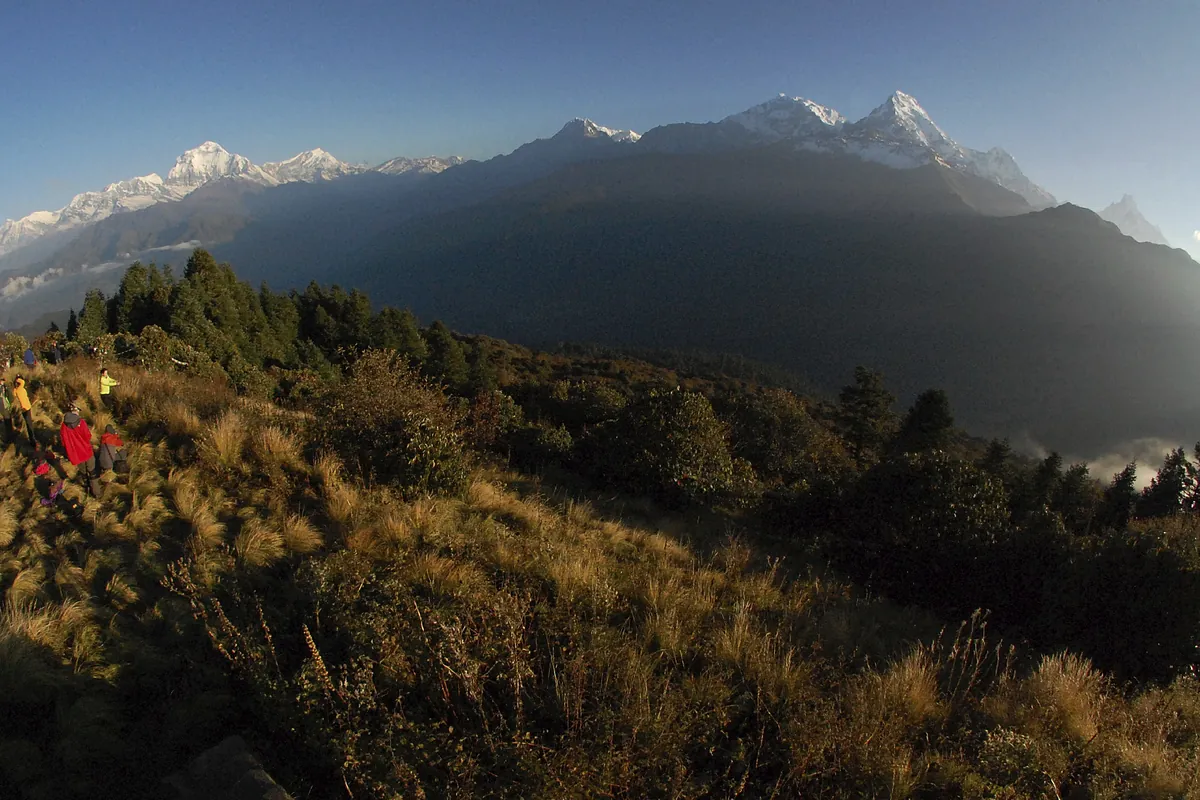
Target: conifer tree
393	329
928	425
131	299
72	326
1173	488
1120	499
482	376
866	417
995	460
93	319
446	362
1078	499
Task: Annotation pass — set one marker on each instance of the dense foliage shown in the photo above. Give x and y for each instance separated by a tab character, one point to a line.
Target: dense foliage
319	545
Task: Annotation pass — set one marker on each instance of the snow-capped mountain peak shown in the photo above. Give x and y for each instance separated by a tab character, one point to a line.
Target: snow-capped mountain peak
585	127
900	133
209	162
429	165
785	117
193	169
311	165
902	118
1126	215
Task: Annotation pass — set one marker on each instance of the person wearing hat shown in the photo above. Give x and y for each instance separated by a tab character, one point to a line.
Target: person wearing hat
77	441
23	407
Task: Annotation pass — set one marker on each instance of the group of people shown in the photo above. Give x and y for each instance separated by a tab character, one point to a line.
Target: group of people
16	407
76	438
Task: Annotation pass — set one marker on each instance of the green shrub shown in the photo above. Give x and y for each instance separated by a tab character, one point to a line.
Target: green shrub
394	426
670	444
775	432
539	446
493	416
925	526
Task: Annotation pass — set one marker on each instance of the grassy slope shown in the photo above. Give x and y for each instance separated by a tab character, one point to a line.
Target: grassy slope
503	643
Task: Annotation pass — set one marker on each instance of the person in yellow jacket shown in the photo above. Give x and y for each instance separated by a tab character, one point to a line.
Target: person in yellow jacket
106	386
24	407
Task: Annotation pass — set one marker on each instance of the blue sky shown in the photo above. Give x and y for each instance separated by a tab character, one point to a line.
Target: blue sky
1094	99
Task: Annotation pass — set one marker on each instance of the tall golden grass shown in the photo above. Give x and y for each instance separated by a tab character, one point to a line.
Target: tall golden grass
604	654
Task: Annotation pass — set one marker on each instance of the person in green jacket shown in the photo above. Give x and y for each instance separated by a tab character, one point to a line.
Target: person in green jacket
106	385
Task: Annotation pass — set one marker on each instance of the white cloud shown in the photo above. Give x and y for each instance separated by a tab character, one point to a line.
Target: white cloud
1196	235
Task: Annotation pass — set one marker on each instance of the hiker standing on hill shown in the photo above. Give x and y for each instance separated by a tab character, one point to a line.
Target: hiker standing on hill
77	441
23	407
30	358
106	386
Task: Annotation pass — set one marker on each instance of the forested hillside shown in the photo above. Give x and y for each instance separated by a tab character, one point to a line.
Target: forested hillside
405	562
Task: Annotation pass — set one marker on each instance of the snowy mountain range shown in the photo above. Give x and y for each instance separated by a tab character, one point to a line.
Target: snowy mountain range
193	169
431	165
1126	216
898	133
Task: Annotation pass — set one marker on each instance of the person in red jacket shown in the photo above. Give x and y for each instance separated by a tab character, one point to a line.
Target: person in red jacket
77	441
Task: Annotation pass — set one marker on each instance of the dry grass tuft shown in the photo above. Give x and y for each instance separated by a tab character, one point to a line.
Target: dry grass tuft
446	576
182	420
258	544
908	690
578	577
387	536
275	447
222	445
343	502
1070	693
328	469
26	587
9	526
107	527
300	535
734	643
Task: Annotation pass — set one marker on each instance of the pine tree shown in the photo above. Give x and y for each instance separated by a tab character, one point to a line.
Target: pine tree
393	329
1120	499
72	326
1173	488
995	460
1078	499
132	300
928	425
866	417
93	319
482	376
446	362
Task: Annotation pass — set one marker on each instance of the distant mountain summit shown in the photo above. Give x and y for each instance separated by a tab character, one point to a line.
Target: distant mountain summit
1128	218
899	133
309	167
588	129
430	165
200	166
210	162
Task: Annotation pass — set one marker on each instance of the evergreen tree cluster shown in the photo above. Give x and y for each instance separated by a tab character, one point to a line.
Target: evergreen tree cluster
247	331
